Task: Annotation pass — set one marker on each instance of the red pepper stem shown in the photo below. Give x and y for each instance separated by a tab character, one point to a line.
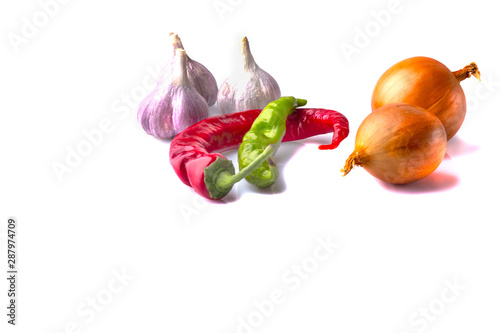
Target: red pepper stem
220	182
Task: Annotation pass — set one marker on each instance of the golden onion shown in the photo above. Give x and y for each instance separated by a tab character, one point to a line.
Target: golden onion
399	144
429	84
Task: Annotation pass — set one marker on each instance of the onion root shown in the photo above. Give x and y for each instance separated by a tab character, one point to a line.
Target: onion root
351	161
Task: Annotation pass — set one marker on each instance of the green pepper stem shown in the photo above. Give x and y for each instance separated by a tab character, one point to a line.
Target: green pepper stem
227	180
220	176
301	102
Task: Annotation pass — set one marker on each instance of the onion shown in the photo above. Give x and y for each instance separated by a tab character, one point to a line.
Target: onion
429	84
398	143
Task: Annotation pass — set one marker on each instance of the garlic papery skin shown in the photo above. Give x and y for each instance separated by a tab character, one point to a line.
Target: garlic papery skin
197	74
253	89
173	105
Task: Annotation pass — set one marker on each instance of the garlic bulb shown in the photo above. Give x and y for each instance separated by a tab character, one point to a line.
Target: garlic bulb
253	89
173	105
198	75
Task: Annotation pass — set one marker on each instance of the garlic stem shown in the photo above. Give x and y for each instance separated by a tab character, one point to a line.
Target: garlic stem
248	61
177	44
176	41
180	75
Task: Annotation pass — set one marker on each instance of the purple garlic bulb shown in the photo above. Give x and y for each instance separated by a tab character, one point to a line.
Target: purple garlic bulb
198	75
174	104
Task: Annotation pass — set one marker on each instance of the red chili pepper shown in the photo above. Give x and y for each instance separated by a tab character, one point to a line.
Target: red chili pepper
195	152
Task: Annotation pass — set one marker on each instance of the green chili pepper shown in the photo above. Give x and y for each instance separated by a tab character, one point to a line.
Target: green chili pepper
266	131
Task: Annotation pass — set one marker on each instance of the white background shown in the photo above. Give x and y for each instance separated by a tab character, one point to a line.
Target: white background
189	265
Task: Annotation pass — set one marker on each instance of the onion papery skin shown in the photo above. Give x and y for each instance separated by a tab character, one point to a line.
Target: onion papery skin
399	144
427	83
